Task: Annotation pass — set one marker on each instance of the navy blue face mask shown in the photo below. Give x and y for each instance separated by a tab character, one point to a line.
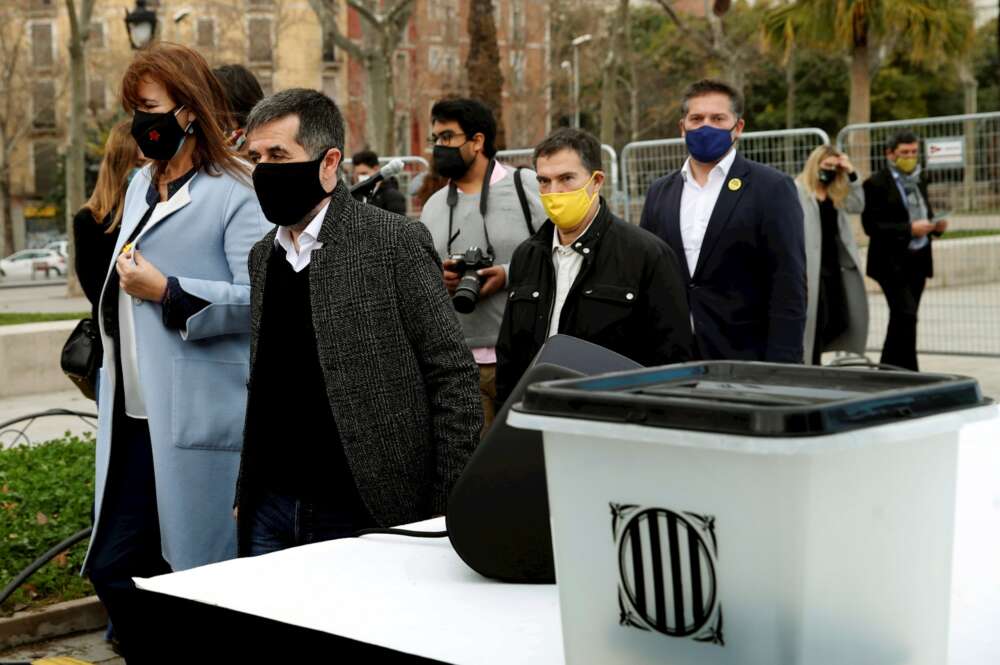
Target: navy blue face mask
707	144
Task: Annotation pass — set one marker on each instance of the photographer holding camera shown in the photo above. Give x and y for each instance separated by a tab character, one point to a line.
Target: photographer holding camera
477	222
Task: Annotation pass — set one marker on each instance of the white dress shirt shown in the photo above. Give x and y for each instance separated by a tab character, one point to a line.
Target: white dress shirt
567	261
299	259
697	204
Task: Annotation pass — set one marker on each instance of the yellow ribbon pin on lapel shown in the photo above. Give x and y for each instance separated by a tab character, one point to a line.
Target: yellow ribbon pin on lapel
735	184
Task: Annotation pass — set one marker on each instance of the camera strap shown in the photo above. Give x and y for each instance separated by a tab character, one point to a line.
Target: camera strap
484	195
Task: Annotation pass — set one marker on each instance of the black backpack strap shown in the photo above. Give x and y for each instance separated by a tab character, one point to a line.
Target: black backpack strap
524	202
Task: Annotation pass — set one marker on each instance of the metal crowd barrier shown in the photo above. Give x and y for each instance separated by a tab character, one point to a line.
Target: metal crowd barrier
413	168
960	155
643	162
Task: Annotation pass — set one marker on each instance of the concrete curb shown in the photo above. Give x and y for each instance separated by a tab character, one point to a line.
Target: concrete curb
72	616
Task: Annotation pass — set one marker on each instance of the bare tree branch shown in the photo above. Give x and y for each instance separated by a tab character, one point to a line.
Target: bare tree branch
684	28
328	18
366	13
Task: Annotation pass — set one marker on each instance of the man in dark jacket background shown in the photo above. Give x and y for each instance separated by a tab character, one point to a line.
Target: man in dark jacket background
736	227
897	218
587	273
387	196
363	403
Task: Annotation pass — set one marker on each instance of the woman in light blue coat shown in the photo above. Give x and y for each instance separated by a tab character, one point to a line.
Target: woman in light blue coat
837	305
175	322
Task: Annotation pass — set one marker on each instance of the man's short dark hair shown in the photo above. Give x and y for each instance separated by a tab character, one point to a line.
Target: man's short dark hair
905	136
365	158
583	143
321	126
472	116
242	90
710	86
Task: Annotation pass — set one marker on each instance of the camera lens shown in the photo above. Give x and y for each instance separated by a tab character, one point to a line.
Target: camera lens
467	293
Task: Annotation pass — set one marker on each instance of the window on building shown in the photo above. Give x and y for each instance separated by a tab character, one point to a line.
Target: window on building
260	3
329	47
450	24
260	39
205	33
45	156
42	4
43	104
96	38
42	44
517	23
434	62
98	94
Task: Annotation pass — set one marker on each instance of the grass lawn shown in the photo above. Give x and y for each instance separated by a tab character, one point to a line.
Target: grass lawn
969	233
13	318
46	493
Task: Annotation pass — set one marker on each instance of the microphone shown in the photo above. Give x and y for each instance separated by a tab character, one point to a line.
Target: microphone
364	188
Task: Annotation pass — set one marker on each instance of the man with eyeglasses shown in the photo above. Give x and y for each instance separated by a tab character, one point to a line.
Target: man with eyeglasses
486	207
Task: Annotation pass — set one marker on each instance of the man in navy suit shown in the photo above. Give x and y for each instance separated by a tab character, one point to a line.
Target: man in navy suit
736	227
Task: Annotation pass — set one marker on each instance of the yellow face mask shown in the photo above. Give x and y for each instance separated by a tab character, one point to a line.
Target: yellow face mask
567	209
906	164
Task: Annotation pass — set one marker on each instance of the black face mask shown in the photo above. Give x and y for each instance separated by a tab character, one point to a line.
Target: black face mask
448	162
289	191
159	135
826	176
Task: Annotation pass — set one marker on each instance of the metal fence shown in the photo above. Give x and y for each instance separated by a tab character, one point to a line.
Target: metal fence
409	180
960	155
643	162
609	162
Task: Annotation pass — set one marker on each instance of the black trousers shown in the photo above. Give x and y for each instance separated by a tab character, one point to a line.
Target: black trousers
128	542
902	292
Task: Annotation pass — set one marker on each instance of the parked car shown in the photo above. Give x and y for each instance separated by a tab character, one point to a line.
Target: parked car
30	263
61	246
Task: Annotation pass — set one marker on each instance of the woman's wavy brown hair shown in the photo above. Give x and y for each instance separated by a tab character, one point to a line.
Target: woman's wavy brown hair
120	156
189	81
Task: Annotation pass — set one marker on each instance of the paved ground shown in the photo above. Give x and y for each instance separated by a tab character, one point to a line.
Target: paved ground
51	297
88	647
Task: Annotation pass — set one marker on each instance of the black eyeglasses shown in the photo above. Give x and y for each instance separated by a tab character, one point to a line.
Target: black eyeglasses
444	138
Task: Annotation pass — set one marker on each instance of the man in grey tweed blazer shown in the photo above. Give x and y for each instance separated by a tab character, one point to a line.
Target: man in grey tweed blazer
363	399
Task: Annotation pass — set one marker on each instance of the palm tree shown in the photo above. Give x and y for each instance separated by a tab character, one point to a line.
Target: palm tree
866	30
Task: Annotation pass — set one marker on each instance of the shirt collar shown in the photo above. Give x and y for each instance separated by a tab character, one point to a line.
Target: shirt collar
283	237
499	173
581	240
174	186
722	167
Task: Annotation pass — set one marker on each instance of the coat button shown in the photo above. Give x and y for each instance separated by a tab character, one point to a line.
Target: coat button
512	294
535	294
588	292
586	250
629	296
137	301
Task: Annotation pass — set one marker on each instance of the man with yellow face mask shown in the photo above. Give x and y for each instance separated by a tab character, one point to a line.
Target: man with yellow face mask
898	219
588	274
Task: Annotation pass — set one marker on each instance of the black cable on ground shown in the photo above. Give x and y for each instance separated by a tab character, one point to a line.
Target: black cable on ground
403	532
41	561
21	433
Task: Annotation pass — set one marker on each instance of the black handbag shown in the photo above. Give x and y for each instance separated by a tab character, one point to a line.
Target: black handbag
81	357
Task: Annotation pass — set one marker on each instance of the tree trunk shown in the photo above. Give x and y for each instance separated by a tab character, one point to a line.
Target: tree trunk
609	92
970	87
859	108
75	156
381	109
8	211
483	63
790	91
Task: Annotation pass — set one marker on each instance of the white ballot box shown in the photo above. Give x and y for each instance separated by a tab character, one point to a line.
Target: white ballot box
727	513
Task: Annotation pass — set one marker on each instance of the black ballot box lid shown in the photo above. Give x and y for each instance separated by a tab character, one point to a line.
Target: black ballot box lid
753	398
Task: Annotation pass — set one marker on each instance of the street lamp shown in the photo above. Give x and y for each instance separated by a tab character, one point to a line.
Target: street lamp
141	25
577	43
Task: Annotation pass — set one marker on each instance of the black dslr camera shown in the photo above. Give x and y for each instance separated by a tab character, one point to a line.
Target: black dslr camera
467	294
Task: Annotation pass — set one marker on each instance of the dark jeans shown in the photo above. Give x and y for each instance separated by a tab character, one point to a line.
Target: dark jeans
279	522
902	292
127	542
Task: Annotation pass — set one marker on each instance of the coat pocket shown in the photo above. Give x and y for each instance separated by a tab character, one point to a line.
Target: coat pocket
209	403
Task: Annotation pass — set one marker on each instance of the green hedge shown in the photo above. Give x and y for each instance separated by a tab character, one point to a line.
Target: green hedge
46	493
14	318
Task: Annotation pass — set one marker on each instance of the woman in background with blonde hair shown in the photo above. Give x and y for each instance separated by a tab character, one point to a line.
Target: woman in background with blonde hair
95	226
837	306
